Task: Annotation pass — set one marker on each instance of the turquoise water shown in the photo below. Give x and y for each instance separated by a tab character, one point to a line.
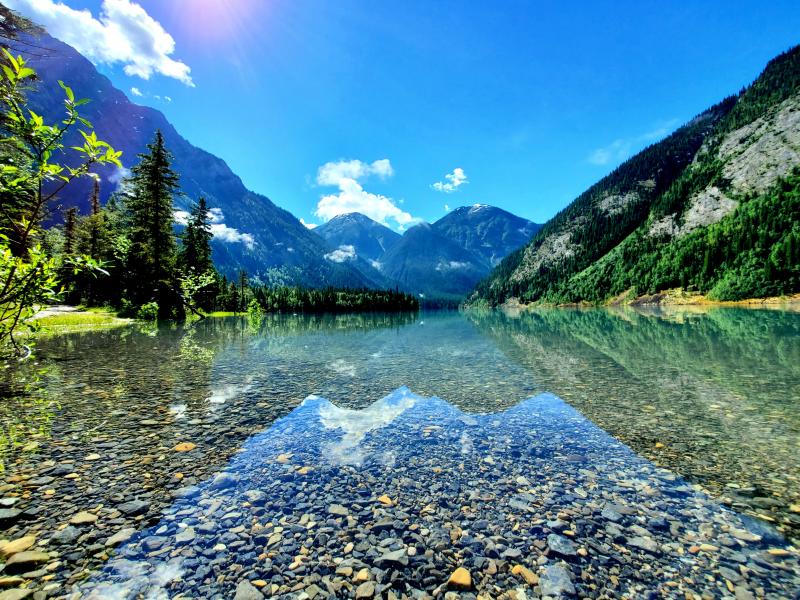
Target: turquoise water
683	418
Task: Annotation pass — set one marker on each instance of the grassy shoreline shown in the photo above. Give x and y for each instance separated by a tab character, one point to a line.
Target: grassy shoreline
77	319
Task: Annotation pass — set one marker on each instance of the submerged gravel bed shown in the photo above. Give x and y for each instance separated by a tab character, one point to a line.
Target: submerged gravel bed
411	498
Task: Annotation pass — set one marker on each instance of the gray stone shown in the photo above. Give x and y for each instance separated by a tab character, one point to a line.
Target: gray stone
365	590
122	536
389	559
8	515
560	545
338	510
223	481
644	543
185	536
67	535
247	591
255	497
15	594
152	543
557	581
134	507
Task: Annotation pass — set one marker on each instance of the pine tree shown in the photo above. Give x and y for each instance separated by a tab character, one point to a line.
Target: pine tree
195	253
151	259
93	222
70	219
243	287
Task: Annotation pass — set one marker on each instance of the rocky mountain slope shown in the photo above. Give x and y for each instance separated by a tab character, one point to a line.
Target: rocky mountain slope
490	232
713	207
442	260
369	239
251	232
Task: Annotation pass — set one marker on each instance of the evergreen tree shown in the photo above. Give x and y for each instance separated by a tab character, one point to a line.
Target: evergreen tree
195	253
151	257
94	232
243	288
70	218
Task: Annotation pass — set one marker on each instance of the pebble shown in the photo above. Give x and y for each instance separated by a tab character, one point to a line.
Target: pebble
122	536
529	576
460	579
338	510
67	535
134	507
557	581
18	545
16	594
21	562
645	543
83	518
560	545
247	591
365	590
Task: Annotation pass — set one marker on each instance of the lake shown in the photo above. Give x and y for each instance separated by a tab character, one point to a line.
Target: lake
556	453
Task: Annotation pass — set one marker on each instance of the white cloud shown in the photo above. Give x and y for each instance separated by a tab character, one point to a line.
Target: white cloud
230	235
352	197
451	265
119	175
622	148
219	229
342	254
181	217
446	208
454	180
123	32
215	215
136	91
332	173
308	225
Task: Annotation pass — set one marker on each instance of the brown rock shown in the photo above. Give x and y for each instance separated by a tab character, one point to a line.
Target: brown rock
529	576
22	562
17	545
460	579
83	518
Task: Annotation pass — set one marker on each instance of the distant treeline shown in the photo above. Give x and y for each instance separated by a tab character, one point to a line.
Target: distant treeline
302	300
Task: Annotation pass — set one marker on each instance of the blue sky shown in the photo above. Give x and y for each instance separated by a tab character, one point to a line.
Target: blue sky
327	106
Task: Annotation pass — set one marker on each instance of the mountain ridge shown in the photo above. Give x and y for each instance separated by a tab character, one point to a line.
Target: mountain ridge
443	259
681	212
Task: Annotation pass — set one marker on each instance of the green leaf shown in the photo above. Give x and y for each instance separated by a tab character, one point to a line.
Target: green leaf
67	91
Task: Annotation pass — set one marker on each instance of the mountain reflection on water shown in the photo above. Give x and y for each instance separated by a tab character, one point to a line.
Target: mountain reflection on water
410	488
94	423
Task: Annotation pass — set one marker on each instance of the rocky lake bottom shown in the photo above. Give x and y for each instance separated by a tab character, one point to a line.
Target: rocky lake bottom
288	459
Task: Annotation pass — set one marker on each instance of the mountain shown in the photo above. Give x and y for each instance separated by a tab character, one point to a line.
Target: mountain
447	258
251	232
488	231
714	207
443	260
424	261
369	239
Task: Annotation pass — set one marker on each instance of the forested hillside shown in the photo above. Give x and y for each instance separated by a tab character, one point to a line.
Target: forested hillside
712	208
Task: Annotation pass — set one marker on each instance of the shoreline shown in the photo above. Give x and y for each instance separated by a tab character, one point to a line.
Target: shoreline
665	299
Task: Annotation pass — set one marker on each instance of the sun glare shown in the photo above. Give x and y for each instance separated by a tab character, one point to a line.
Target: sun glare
204	21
